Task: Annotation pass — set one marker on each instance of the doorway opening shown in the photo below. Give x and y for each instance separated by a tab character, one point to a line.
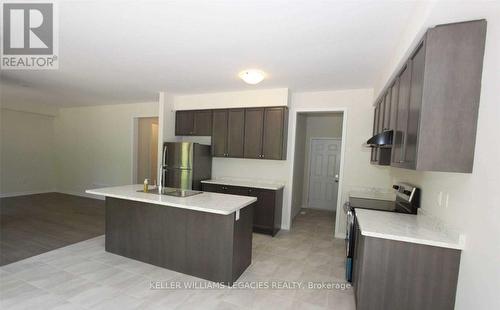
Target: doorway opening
145	157
317	168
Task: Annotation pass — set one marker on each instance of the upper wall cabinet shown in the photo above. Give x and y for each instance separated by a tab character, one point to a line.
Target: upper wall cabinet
434	101
266	133
193	123
381	156
254	128
228	133
259	133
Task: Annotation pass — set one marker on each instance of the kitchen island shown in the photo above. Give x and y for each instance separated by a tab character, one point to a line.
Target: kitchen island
207	235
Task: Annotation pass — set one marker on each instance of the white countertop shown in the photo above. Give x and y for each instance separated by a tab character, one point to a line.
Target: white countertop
206	202
421	229
264	184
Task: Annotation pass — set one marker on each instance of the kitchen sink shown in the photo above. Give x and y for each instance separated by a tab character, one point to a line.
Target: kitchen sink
175	192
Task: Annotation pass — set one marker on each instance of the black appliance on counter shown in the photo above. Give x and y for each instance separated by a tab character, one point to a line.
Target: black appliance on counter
407	201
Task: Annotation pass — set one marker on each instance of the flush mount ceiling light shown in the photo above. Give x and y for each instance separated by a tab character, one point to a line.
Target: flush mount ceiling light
252	76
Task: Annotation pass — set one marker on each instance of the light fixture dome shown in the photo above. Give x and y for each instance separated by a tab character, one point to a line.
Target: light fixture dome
252	76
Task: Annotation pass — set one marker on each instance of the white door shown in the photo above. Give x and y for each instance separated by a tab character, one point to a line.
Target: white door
324	163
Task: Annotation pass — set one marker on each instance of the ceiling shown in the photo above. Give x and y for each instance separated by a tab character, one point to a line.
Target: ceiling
127	51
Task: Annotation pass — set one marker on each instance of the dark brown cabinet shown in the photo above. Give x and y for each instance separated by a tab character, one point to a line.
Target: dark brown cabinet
267	209
402	107
228	133
381	156
219	133
390	274
236	132
374	154
265	132
259	133
415	103
193	123
437	92
274	137
386	123
254	127
394	90
184	123
203	123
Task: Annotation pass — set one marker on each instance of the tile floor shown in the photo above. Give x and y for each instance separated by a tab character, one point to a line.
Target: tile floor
84	276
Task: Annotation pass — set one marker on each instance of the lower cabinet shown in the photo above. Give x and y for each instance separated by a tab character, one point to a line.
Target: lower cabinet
267	209
389	274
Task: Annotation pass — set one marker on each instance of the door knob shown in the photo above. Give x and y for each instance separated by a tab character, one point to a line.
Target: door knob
336	178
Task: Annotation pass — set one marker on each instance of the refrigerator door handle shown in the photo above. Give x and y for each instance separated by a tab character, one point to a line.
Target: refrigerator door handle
164	161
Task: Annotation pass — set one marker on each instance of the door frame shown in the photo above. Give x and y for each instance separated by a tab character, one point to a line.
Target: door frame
135	141
308	177
291	154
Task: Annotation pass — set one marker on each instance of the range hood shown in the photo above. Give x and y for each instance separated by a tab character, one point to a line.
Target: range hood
381	140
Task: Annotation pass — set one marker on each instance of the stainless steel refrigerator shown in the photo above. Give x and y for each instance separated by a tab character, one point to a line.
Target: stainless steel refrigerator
186	164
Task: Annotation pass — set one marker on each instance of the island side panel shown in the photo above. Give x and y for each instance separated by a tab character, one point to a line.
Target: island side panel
242	246
209	246
191	242
146	232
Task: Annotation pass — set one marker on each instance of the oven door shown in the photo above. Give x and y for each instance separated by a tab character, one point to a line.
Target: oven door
349	240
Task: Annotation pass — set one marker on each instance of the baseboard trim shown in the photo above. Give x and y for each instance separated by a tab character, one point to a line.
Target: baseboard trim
25	193
320	209
74	193
81	194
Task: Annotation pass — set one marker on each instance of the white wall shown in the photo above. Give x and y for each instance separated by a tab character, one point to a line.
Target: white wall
299	164
95	145
27	150
146	149
358	118
235	99
474	203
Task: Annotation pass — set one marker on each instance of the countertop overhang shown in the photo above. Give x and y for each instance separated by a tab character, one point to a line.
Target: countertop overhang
420	229
263	184
223	204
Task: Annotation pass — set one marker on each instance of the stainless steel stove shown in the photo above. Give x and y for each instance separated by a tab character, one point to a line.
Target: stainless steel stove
407	200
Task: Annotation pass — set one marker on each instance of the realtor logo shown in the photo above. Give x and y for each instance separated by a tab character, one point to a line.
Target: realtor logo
29	40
